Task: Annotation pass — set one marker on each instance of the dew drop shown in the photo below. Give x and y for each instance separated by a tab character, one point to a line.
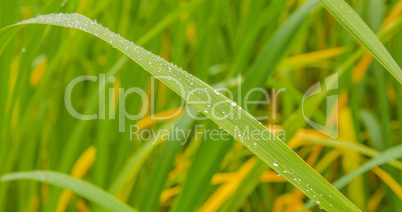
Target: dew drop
233	104
63	3
276	163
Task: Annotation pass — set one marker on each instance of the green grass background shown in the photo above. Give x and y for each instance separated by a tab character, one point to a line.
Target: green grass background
215	41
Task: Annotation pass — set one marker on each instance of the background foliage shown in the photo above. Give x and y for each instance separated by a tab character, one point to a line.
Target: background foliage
272	44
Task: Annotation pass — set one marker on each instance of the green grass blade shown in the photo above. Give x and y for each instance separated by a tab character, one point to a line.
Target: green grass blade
164	164
296	121
373	128
211	154
80	187
265	145
352	22
274	52
388	155
133	165
206	163
362	149
246	187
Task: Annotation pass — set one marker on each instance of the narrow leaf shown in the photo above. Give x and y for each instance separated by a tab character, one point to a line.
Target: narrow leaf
352	22
80	187
264	143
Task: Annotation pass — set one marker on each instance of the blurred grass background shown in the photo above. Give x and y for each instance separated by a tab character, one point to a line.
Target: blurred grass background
281	43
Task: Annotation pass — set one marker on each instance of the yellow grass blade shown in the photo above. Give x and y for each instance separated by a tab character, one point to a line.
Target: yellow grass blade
289	202
351	159
80	168
363	65
387	179
217	199
169	193
310	58
38	72
327	160
375	199
149	120
271	176
315	153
